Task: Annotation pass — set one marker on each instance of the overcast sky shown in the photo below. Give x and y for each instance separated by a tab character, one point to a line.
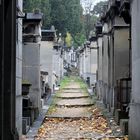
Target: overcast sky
85	2
93	1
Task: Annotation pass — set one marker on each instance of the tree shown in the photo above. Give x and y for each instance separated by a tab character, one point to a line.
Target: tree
46	9
79	39
43	5
99	8
58	15
89	18
65	15
68	39
92	15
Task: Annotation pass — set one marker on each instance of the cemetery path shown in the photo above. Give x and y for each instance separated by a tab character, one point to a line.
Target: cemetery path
73	115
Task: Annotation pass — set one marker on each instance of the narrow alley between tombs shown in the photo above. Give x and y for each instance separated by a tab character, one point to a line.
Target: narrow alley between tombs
74	115
69	70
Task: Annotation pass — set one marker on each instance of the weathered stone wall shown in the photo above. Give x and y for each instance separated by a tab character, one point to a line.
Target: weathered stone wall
61	67
120	65
56	63
99	66
19	72
46	60
57	66
105	59
93	64
31	71
105	67
81	64
134	123
121	54
87	63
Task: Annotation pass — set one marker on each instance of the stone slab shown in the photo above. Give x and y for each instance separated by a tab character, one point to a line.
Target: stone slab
75	102
70	113
71	88
72	91
73	85
72	95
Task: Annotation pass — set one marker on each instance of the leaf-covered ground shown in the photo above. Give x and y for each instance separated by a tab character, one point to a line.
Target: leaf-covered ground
77	129
94	127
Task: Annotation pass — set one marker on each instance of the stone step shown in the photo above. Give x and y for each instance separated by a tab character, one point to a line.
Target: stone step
72	92
76	97
68	117
72	95
71	88
83	102
74	105
67	113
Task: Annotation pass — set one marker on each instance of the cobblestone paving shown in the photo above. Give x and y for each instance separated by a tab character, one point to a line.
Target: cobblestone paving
74	121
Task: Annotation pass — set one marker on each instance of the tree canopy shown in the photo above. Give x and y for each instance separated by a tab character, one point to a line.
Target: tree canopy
99	8
67	17
43	5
